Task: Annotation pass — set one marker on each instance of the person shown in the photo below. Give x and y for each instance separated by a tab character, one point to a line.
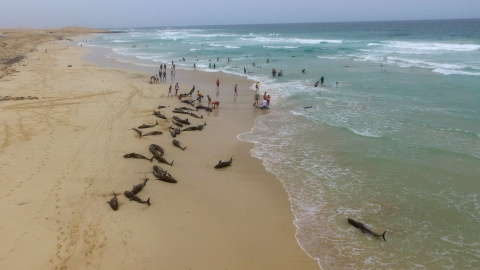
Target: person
235	91
199	96
214	66
156	78
321	80
215	104
170	91
164	75
274	72
264	104
268	101
257	96
265	95
194	66
176	88
316	83
303	71
280	73
209	100
218	83
336	84
256	86
209	65
244	70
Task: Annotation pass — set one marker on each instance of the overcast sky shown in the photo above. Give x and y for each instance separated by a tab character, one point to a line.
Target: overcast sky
138	13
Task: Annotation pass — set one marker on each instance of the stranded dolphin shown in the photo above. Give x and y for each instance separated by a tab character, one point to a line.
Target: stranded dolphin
139	187
114	202
222	164
135	155
364	229
148	126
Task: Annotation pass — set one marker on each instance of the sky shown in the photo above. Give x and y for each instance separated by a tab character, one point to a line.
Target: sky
144	13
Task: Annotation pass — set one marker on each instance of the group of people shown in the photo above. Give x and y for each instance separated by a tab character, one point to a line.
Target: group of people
265	101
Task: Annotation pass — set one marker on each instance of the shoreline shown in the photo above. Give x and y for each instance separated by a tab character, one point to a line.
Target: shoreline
72	140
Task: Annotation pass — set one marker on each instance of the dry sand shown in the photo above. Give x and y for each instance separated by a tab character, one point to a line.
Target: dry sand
61	157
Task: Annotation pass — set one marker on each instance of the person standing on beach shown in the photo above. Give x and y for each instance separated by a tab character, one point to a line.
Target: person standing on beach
265	95
268	101
164	76
170	91
257	96
256	86
235	91
321	80
244	70
218	83
176	88
209	101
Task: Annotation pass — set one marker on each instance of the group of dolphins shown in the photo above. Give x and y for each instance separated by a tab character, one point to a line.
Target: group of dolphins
158	153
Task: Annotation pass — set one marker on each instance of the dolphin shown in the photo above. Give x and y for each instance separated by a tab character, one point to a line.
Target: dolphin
177	123
130	195
179	111
139	187
159	114
156	149
172	132
153	133
190	129
200	127
185	109
177	144
139	132
180	120
162	175
148	126
364	229
113	202
160	159
222	164
134	155
196	116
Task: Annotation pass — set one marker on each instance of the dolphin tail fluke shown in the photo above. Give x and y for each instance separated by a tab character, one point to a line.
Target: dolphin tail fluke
148	201
383	236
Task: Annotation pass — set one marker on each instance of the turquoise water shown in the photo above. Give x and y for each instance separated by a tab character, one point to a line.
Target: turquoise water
395	145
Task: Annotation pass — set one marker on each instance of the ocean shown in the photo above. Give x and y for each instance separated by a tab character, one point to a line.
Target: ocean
392	138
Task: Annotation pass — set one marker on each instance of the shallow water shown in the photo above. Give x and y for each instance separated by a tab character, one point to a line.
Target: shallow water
395	145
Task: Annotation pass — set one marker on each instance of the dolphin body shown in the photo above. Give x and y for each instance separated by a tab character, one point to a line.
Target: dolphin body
160	159
156	132
135	155
222	163
156	149
148	126
113	202
364	229
139	132
162	175
139	187
177	144
133	197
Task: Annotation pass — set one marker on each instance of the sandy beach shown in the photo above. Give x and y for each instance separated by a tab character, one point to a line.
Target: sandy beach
64	130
